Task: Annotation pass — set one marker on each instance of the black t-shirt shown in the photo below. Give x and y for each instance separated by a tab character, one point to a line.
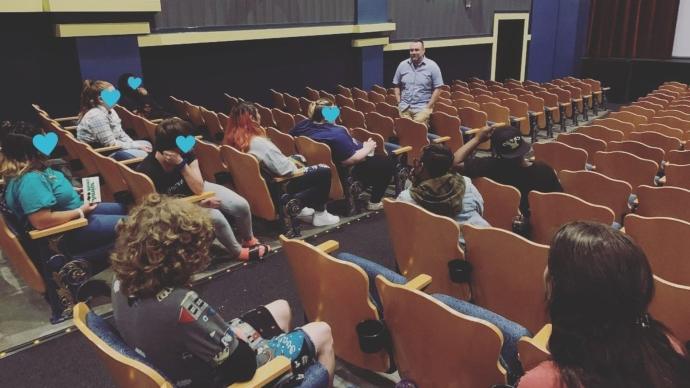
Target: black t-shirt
539	176
169	183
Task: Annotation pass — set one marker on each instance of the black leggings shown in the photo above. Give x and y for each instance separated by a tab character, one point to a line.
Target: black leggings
313	187
375	171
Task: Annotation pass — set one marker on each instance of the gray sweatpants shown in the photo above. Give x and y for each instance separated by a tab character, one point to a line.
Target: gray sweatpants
234	207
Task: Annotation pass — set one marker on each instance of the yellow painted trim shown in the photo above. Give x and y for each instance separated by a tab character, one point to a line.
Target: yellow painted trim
101	5
370	42
21	6
442	43
494	49
101	29
175	38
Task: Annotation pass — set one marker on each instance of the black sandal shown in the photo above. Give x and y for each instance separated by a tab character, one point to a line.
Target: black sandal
255	252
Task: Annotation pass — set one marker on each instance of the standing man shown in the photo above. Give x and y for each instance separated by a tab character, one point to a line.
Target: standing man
419	78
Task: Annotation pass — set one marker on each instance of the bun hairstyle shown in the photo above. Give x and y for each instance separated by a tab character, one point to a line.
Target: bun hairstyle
18	151
91	95
315	109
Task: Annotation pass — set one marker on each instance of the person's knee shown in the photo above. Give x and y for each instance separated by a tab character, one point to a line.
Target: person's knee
320	335
280	310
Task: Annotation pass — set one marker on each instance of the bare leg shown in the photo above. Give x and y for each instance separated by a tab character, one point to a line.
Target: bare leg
280	310
320	335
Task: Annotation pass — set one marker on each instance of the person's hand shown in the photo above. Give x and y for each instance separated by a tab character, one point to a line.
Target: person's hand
88	208
172	157
370	145
79	190
211	203
145	147
485	133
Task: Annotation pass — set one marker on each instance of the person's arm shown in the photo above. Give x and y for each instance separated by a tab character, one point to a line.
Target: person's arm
396	89
46	218
436	82
434	98
99	127
466	150
188	169
271	157
367	147
397	78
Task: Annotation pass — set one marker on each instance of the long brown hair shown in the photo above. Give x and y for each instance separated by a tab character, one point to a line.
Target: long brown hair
242	126
91	95
599	285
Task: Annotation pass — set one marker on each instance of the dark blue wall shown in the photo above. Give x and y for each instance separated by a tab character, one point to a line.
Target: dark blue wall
559	32
105	58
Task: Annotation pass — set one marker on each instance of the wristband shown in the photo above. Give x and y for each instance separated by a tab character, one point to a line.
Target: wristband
81	213
181	165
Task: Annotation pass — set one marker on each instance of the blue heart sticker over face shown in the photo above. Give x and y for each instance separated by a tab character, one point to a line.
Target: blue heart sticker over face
46	143
134	82
330	113
185	143
110	97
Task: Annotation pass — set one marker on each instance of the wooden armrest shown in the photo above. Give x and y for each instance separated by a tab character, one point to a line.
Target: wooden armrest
295	174
541	339
127	162
442	139
536	114
622	230
605	88
71	128
518	119
562	104
199	197
402	150
587	96
551	108
475	130
156	121
71	118
599	92
107	149
67	226
577	100
328	246
662	180
419	282
199	137
266	373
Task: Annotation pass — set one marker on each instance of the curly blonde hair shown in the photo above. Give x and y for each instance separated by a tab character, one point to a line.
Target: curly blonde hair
161	244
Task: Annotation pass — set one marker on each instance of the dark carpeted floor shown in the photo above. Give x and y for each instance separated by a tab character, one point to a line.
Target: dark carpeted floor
70	361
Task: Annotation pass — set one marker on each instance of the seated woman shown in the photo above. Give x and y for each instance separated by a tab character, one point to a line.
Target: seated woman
164	242
42	198
100	126
138	100
439	190
245	134
175	173
375	171
598	287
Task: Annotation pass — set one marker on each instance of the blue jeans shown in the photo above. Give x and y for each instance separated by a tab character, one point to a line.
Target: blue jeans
95	240
131	153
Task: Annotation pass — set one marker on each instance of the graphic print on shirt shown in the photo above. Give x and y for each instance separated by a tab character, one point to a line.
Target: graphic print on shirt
191	308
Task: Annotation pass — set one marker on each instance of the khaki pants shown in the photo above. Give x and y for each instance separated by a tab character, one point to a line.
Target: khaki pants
421	116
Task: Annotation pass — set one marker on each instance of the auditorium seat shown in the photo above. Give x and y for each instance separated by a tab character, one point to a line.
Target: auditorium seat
677	175
344	101
447	125
550	211
666	201
611	123
304	105
231	101
678	157
462	103
533	351
539	112
638	149
352	118
554	109
560	156
671	306
501	202
292	104
266	116
194	114
376	97
598	189
638	110
210	163
340	89
520	117
483	99
284	121
474	119
213	125
364	105
626	167
388	110
179	108
140	186
600	132
673	122
312	94
359	93
378	123
447	109
567	105
657	139
414	134
585	142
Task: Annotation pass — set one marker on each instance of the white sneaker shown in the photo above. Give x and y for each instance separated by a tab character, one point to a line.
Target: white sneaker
374	206
306	214
324	218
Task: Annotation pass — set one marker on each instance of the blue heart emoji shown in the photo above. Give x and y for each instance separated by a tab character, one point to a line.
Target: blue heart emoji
330	113
45	143
134	82
185	144
110	97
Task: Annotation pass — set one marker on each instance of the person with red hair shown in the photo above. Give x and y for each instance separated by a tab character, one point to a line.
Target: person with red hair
244	133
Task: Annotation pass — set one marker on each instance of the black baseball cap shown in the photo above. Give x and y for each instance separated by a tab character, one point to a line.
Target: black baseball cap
507	142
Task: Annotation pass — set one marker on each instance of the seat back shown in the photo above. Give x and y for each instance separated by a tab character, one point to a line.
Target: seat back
364	105
284	141
618	125
485	99
673	122
671	306
278	99
194	114
126	116
304	103
413	134
549	211
362	135
598	189
629	117
532	351
352	118
656	139
179	108
600	132
140	185
317	153
418	324
462	103
213	124
378	123
582	141
496	113
109	170
626	167
666	201
21	263
335	292
376	97
678	157
284	121
424	243
639	110
231	101
501	202
638	149
448	125
674	113
678	175
560	156
649	105
388	110
209	159
344	101
519	109
126	367
447	109
663	240
662	129
266	116
505	268
312	94
359	93
248	182
145	127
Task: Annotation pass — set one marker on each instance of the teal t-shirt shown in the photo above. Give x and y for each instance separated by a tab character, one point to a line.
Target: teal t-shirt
36	190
